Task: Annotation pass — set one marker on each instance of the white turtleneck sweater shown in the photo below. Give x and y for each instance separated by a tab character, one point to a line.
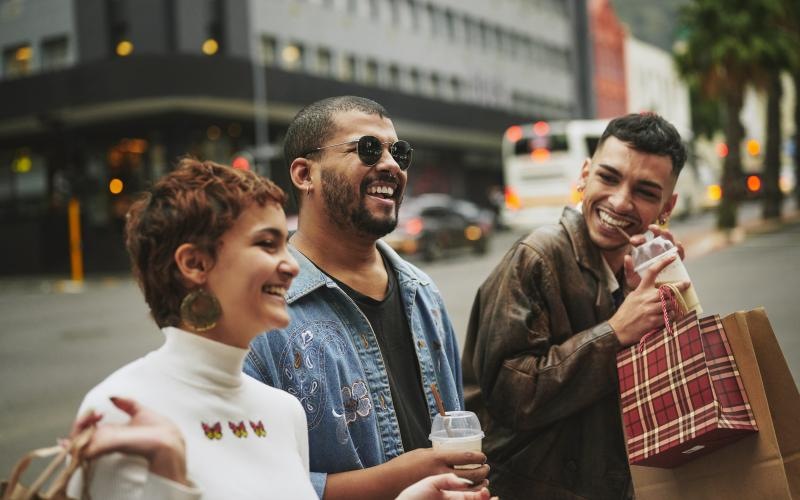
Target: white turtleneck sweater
244	439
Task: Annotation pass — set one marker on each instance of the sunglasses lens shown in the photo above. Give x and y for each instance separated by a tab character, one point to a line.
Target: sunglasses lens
370	149
401	152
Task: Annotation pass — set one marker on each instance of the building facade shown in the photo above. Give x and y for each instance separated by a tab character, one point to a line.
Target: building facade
100	97
608	50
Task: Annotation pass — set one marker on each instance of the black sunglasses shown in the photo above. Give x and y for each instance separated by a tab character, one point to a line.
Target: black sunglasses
370	150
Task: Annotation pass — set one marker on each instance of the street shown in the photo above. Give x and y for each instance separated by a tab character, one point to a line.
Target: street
56	346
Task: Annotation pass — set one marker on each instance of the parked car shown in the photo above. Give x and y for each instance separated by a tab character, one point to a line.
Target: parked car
433	224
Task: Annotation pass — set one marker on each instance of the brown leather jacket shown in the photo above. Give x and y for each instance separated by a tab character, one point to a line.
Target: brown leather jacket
540	370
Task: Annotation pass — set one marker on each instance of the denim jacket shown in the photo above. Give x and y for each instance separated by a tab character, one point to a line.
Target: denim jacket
329	359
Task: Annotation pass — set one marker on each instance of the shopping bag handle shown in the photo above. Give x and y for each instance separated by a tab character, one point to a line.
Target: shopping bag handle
669	295
23	463
73	449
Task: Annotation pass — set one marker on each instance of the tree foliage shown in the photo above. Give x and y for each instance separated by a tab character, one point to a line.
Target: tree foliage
727	45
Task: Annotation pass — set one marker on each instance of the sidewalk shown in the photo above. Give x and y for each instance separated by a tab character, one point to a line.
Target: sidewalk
701	241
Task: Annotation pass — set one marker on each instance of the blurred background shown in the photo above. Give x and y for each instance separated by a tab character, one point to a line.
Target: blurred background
99	97
501	99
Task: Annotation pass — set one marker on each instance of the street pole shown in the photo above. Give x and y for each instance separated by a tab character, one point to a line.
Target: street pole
75	250
261	125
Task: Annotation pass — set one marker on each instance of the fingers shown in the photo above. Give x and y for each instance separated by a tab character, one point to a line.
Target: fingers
667	234
463	457
477	475
129	406
649	276
481	494
682	286
450	481
88	419
632	278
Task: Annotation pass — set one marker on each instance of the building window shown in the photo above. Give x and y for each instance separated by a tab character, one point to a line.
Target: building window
17	61
293	56
470	31
371	72
415	81
374	9
455	88
394	77
215	32
324	62
436	89
55	53
269	50
413	14
484	34
434	20
117	11
24	181
347	68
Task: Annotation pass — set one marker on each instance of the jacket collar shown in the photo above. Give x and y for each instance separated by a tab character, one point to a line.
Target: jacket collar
311	277
586	253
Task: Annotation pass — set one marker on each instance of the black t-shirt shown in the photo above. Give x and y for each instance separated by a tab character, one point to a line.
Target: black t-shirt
397	347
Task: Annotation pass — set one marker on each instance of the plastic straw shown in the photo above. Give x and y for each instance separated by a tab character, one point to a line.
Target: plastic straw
438	398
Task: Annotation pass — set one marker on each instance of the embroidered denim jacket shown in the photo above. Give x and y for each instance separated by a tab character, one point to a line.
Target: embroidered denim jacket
329	359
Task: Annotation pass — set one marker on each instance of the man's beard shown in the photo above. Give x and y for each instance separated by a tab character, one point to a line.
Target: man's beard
346	210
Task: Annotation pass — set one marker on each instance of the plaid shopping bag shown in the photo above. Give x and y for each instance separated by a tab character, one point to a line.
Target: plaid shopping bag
681	393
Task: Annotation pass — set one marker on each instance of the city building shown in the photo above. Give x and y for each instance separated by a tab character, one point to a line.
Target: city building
608	56
100	97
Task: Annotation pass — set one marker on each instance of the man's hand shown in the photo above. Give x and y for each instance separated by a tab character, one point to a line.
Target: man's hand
147	434
443	487
641	310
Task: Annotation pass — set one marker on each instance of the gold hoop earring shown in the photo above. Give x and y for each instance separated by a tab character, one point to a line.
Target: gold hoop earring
200	310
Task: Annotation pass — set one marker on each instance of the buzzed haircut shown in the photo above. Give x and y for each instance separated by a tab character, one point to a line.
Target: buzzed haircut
648	133
314	124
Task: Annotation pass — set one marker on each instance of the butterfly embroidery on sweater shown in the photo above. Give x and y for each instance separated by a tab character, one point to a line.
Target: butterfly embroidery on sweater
239	430
258	428
213	431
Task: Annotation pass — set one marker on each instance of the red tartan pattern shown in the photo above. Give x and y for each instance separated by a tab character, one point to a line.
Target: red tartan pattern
681	392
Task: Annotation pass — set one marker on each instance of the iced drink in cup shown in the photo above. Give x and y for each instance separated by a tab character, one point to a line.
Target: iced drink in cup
655	249
457	431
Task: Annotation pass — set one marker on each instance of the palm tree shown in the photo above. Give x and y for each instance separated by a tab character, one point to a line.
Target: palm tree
777	60
726	45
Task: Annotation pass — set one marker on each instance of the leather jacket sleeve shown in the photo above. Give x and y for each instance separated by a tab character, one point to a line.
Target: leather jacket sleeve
535	344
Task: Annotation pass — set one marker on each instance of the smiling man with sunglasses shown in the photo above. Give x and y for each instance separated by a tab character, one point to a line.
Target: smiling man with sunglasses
369	336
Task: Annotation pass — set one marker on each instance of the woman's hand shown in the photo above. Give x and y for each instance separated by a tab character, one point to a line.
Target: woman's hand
389	479
443	487
147	434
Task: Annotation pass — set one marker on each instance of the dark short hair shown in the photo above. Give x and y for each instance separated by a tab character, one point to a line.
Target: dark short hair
313	125
195	203
648	133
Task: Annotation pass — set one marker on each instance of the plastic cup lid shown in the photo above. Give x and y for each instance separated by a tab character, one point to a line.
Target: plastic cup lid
458	425
648	252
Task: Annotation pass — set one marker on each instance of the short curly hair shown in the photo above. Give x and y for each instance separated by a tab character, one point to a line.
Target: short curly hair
195	203
649	133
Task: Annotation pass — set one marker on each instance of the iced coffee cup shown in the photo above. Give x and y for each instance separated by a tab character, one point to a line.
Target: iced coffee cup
651	252
457	431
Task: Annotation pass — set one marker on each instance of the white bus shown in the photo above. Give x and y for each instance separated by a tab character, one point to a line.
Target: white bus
541	166
542	163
